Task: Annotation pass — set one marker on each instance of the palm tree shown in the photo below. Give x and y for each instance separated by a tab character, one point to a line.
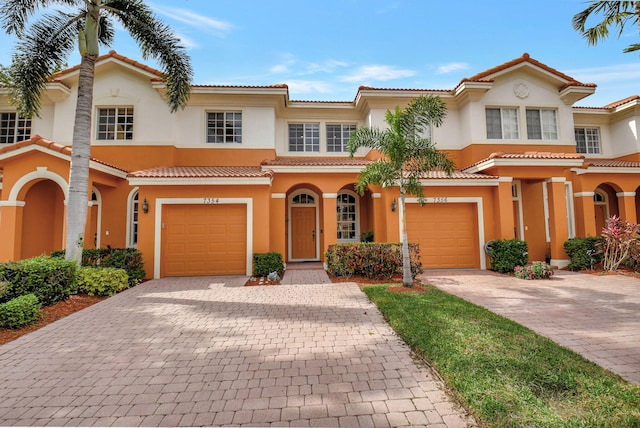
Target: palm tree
614	14
42	49
407	157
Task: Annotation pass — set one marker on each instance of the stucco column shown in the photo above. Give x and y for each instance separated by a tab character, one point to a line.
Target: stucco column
329	227
585	214
504	209
627	206
278	224
379	218
11	230
558	228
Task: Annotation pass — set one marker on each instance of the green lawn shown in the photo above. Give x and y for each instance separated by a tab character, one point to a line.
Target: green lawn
504	373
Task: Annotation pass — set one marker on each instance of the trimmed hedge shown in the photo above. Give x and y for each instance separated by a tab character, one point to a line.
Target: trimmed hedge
104	281
51	280
20	311
506	254
266	263
371	259
584	253
129	259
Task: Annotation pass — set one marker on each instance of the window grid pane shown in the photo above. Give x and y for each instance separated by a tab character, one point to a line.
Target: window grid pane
304	137
115	123
14	128
346	217
224	127
587	140
542	124
337	137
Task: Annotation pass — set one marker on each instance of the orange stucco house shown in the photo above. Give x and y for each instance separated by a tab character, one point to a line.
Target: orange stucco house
245	169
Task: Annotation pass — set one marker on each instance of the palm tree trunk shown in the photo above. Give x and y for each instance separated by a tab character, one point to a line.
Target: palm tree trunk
407	278
77	205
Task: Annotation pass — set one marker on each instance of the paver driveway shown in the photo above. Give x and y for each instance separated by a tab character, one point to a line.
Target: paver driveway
597	316
206	351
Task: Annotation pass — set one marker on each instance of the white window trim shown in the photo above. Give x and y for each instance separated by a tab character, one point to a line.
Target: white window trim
224	144
357	215
128	228
501	108
542	134
586	145
326	136
96	123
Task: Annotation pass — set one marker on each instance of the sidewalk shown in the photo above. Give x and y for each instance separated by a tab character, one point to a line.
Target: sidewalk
597	316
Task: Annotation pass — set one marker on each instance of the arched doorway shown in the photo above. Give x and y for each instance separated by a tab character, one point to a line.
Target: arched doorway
304	221
42	219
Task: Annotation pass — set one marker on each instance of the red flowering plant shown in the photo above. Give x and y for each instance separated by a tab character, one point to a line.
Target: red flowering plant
535	270
620	242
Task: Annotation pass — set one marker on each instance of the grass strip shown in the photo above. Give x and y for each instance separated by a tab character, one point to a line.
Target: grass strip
506	375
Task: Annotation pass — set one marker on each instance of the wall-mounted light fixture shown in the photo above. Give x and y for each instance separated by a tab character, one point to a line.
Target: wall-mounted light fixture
394	205
145	206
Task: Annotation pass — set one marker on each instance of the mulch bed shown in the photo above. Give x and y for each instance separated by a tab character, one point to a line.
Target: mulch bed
50	314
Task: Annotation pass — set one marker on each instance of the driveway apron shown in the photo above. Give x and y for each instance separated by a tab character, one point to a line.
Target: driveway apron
209	351
594	315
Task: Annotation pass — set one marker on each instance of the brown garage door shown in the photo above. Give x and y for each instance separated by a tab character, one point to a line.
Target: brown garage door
447	234
204	240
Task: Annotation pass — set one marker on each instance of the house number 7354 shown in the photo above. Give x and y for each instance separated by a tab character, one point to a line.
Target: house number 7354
439	200
211	200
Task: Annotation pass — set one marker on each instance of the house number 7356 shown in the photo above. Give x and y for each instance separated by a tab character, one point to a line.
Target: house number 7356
439	200
211	200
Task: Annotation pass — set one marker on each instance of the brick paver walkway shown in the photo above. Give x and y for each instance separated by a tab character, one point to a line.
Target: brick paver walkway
208	351
597	316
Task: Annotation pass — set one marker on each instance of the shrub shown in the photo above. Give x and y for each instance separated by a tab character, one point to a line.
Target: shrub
371	260
104	281
619	237
535	270
584	253
366	236
129	259
20	311
507	254
51	280
266	263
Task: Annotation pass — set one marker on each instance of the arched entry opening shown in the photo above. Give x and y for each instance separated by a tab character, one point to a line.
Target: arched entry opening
42	219
304	225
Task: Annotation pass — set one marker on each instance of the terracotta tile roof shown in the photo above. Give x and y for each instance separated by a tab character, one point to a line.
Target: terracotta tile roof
202	172
111	54
528	155
622	102
526	58
457	175
612	164
278	85
37	140
371	88
319	161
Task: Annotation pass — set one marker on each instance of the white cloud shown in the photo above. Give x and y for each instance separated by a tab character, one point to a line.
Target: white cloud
452	67
187	42
201	22
279	68
309	86
609	73
377	72
295	67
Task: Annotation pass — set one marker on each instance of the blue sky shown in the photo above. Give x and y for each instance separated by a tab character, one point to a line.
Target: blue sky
324	50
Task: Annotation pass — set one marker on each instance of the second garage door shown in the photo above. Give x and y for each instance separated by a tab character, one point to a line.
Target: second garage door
204	240
447	234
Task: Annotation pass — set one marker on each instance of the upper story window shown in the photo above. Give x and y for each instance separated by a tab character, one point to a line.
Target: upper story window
338	135
224	127
502	123
304	137
542	124
587	141
115	123
14	128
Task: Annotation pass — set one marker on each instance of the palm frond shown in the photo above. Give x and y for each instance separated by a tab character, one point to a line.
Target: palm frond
156	40
365	137
14	14
380	173
614	14
39	53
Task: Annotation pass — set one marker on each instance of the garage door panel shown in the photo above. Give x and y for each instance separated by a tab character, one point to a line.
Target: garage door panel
447	234
204	240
